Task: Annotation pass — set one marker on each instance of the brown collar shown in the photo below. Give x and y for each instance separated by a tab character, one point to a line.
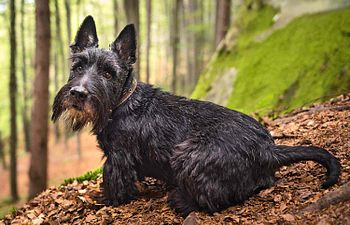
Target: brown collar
129	92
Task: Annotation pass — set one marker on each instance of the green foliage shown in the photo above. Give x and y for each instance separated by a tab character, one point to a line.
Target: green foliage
7	206
91	175
13	210
305	61
249	23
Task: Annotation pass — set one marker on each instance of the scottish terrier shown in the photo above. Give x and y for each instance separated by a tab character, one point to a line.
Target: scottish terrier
211	157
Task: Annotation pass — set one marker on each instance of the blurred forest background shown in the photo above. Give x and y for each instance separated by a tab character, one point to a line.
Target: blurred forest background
257	56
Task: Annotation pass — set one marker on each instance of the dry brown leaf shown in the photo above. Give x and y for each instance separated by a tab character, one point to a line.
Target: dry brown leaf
288	217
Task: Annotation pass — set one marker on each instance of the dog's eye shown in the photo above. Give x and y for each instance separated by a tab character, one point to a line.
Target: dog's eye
79	69
107	75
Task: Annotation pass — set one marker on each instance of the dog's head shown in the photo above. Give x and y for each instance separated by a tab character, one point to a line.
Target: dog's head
98	78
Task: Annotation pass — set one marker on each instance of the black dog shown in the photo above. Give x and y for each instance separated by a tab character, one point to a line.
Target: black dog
212	156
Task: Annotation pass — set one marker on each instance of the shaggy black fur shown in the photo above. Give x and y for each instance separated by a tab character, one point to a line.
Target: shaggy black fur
211	156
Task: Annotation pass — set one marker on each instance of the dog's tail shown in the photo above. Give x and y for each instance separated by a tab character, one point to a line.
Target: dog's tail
287	155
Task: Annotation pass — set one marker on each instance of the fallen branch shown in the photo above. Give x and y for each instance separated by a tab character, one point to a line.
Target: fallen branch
340	195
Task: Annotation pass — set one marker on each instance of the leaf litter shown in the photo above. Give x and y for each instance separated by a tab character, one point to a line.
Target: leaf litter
325	125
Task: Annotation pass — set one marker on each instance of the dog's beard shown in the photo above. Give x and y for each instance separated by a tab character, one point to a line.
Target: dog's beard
77	118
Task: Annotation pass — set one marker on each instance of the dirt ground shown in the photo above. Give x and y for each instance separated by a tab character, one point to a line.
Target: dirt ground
326	125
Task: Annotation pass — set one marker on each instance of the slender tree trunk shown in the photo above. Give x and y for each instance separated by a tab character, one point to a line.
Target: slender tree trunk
148	46
25	119
133	16
39	124
13	95
115	17
185	18
2	153
175	43
59	38
168	11
198	44
68	20
56	125
222	22
69	35
194	41
59	60
81	9
56	70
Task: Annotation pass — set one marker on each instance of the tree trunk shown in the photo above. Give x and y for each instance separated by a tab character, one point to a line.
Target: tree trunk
2	153
186	15
115	17
56	125
148	45
222	22
194	41
59	42
69	35
24	85
133	16
39	124
68	21
175	43
57	53
13	95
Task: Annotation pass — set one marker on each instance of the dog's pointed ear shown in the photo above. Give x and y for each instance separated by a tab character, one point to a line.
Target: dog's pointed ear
86	36
125	44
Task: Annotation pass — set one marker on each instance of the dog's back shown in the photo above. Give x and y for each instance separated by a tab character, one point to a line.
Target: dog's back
212	156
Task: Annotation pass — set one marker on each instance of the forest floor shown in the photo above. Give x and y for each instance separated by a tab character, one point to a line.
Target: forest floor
326	125
64	162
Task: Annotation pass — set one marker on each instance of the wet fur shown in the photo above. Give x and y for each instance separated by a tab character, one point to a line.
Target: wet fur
211	157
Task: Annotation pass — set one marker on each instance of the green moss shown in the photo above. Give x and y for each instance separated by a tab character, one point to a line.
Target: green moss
305	61
249	23
91	175
294	66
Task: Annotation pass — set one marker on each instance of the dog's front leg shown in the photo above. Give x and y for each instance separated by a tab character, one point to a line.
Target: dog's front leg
118	179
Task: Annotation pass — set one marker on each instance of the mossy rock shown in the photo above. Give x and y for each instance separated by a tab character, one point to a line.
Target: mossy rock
305	61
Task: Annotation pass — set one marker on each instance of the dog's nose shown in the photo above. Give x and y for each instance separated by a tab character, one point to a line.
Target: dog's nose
79	92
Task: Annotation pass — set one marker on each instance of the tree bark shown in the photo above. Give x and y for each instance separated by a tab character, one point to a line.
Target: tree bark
56	125
13	95
222	22
25	119
58	54
69	35
194	40
175	43
115	17
148	44
133	16
2	153
68	21
39	125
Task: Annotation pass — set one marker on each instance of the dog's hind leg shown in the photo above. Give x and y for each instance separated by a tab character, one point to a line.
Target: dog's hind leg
209	178
181	202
